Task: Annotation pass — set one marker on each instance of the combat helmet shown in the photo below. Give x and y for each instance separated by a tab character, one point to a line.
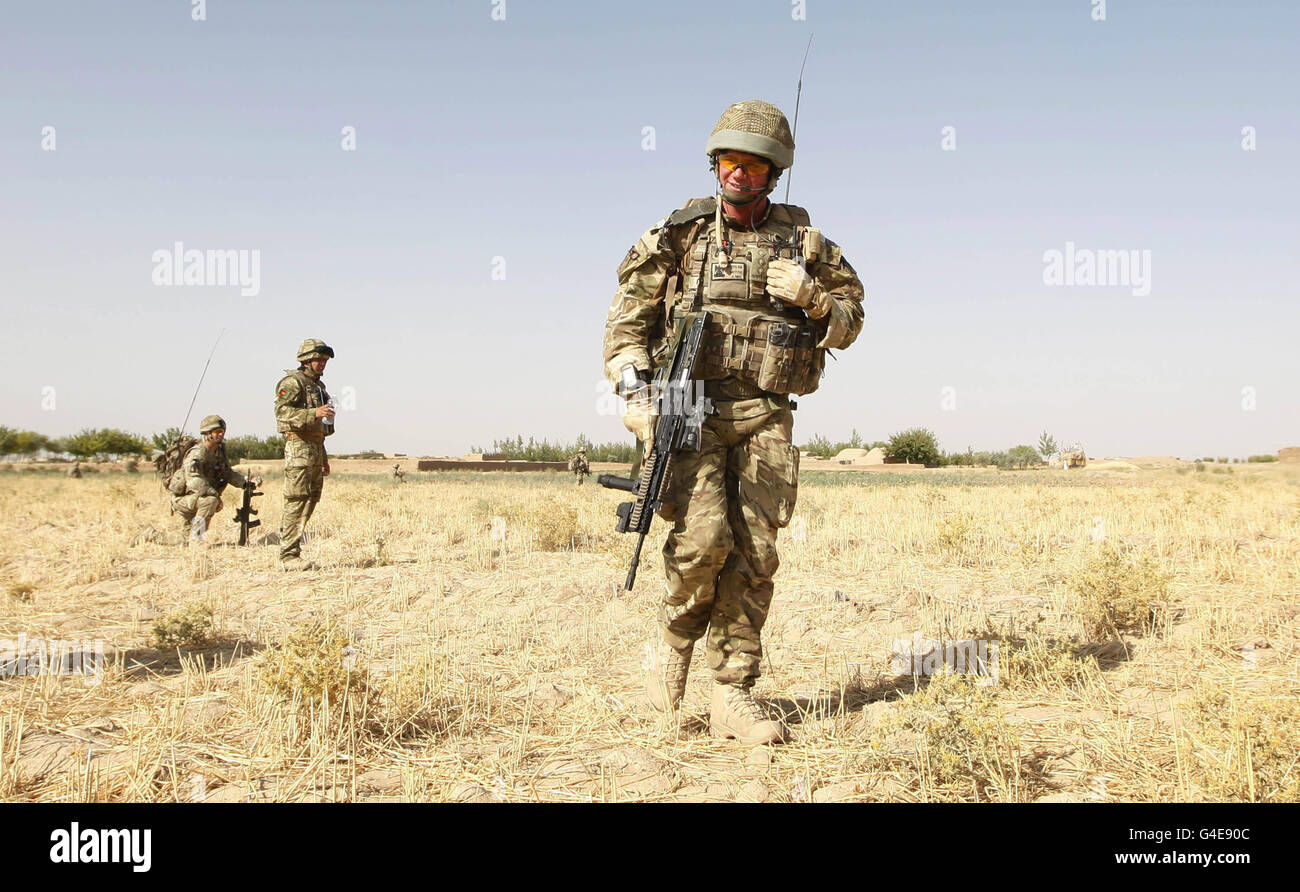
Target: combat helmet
757	128
313	348
211	423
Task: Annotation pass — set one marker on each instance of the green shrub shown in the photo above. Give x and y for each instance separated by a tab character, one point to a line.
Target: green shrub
241	448
103	442
1024	456
1117	594
190	627
914	446
316	661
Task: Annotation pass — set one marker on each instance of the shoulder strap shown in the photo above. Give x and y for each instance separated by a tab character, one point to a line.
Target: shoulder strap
695	209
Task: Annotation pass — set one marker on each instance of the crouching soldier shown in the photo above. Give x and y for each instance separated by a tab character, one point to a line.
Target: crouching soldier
202	476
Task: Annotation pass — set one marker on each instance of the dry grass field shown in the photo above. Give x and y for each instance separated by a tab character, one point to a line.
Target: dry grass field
464	639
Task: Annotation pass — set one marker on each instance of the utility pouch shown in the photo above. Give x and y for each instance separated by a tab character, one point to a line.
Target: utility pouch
792	362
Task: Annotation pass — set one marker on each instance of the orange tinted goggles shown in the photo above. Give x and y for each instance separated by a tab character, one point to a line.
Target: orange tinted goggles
749	167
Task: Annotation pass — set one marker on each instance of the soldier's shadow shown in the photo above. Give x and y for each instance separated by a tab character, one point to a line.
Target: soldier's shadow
853	697
149	661
821	704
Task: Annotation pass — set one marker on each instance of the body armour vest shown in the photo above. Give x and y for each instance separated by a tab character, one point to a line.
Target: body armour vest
749	335
311	394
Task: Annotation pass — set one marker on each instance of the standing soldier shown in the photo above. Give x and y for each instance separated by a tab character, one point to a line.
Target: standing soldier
778	295
578	465
202	476
398	474
304	413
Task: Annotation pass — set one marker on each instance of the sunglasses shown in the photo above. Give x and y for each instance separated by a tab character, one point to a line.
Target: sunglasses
756	167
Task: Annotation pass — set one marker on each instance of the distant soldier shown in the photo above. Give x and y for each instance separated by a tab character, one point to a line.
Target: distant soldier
398	474
202	476
75	471
578	465
304	414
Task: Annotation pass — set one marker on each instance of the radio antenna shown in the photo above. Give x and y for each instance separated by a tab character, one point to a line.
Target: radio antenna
798	93
201	377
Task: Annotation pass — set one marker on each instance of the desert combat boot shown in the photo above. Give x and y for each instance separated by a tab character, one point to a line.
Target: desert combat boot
665	677
735	713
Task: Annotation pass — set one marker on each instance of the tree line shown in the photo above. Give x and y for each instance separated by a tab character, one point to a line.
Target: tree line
517	449
919	446
106	442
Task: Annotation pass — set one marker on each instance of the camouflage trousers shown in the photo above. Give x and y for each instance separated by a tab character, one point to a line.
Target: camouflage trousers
727	503
194	505
304	466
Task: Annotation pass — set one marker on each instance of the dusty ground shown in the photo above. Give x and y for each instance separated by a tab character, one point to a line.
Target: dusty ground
491	656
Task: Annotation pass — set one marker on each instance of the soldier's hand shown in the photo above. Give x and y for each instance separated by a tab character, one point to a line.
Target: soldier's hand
790	283
324	411
325	468
636	417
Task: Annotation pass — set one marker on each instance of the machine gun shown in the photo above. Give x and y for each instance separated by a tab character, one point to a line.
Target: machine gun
244	513
679	425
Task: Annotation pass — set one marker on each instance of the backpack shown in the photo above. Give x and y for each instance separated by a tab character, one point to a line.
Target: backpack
169	464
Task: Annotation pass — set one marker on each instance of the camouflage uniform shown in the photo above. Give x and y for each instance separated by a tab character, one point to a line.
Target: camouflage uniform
75	470
578	465
728	500
297	397
206	471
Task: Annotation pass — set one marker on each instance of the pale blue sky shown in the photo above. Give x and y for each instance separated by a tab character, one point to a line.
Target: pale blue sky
522	139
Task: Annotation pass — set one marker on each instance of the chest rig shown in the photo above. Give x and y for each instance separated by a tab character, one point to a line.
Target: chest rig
749	335
215	466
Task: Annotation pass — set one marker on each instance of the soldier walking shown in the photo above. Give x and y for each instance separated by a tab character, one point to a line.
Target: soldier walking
398	474
578	465
197	485
304	413
778	295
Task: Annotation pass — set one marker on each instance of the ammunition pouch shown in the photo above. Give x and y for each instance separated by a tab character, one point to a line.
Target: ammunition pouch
773	354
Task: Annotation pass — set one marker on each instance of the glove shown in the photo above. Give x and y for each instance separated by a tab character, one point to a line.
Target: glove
636	417
789	282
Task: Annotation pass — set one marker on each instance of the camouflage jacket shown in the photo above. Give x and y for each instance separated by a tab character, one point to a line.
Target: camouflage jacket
208	471
297	397
664	267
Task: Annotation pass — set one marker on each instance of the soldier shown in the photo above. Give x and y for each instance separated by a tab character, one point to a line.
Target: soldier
398	474
304	413
75	470
206	472
771	319
578	465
